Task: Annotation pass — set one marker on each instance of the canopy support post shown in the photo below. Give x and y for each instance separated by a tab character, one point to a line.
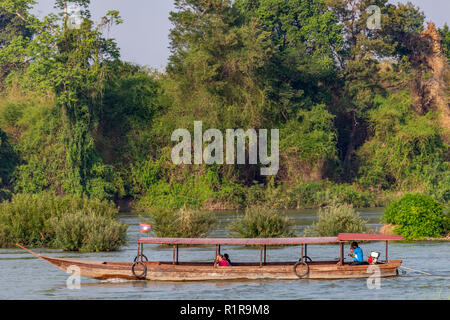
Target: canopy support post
219	248
261	256
177	255
138	250
265	254
341	260
306	250
301	255
173	255
387	245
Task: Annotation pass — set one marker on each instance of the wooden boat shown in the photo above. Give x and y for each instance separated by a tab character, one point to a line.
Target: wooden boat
304	268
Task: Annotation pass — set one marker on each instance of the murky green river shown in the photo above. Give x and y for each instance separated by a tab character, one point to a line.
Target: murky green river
23	276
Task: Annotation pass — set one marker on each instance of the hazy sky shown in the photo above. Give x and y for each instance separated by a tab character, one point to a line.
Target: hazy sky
143	37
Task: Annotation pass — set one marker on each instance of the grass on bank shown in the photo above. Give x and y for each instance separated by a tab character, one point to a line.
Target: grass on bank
71	223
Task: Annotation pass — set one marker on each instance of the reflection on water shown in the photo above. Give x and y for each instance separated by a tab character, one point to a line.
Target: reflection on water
23	276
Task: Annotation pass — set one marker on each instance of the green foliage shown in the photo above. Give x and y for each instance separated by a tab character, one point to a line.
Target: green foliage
181	223
445	34
8	162
193	192
145	174
406	149
87	231
72	64
335	220
41	148
311	137
78	120
261	222
33	221
304	35
318	194
417	216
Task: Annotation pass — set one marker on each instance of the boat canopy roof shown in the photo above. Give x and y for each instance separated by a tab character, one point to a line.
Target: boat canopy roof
272	241
240	241
368	237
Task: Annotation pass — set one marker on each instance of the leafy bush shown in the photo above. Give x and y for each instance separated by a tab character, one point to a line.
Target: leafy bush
352	195
316	194
311	136
416	216
260	222
87	232
182	223
144	174
307	194
335	220
196	190
31	220
8	162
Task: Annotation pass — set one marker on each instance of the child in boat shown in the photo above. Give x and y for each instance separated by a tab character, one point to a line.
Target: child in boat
220	260
227	257
356	254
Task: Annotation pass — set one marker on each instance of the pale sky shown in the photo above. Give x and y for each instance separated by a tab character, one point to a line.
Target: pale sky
143	37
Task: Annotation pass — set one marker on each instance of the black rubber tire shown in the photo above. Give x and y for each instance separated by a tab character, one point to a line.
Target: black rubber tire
302	275
305	258
143	257
144	272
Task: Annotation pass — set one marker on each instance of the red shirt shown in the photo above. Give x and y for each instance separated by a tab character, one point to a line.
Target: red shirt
223	263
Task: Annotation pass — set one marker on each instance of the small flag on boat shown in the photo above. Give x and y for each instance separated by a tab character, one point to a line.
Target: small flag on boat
144	227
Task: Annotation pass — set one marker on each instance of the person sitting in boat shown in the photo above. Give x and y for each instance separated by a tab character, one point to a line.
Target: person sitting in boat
227	258
356	254
221	262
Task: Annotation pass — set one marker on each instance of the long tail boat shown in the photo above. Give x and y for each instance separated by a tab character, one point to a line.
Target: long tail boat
302	268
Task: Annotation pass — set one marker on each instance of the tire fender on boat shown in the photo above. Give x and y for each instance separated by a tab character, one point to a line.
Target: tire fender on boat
144	272
304	274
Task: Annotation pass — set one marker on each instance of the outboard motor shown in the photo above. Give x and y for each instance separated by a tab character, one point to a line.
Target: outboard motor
373	258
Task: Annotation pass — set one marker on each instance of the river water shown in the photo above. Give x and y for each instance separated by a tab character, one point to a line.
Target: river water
22	276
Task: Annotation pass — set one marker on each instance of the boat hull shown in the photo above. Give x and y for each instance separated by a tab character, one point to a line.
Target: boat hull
165	271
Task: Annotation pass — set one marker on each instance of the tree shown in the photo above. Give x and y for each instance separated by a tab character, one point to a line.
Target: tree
445	34
306	37
213	69
11	26
72	64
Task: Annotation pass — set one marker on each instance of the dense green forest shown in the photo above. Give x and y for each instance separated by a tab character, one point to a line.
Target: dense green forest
363	113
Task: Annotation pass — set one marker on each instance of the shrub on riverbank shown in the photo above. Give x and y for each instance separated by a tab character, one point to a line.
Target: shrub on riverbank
182	223
261	222
38	220
417	216
88	232
335	220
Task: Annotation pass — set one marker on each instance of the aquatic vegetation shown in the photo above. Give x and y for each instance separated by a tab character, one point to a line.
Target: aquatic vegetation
335	220
261	222
86	231
181	223
47	220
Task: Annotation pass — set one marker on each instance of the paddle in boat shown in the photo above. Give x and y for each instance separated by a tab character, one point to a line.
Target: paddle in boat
175	270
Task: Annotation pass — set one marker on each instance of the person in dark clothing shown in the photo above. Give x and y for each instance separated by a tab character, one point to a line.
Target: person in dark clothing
227	257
